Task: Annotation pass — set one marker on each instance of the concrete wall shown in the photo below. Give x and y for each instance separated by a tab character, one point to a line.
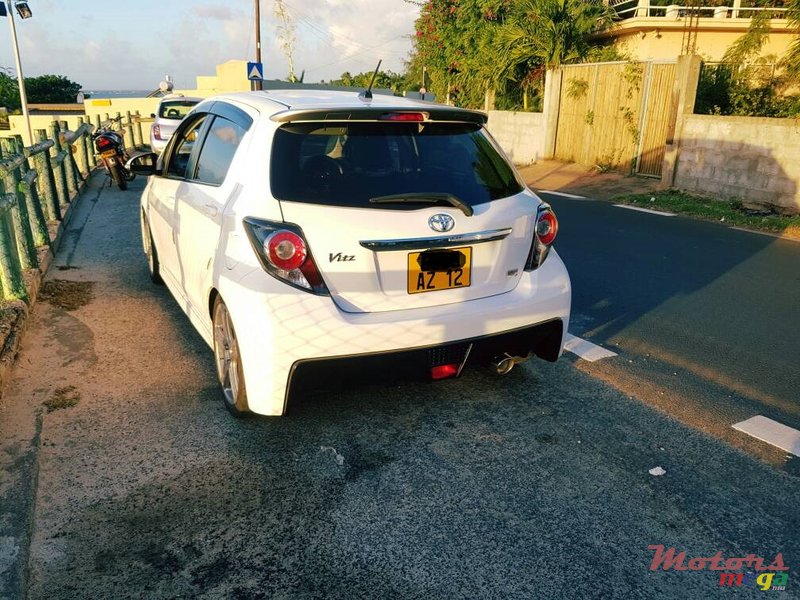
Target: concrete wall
756	160
660	43
17	123
521	134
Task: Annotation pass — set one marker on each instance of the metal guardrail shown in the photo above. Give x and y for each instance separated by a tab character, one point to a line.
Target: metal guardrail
36	183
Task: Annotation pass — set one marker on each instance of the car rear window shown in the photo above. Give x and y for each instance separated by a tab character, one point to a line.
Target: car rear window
346	164
176	109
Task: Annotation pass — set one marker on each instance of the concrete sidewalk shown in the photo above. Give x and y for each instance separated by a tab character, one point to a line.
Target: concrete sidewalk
578	179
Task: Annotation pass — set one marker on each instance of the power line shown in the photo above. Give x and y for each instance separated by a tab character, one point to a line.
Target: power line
325	34
348	57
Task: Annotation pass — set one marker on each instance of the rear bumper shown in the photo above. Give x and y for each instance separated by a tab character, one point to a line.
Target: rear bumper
542	340
282	331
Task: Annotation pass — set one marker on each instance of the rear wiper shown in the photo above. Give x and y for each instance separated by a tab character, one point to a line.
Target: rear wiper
424	198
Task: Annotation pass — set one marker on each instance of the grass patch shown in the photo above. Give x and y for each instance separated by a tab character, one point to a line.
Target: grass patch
63	397
729	212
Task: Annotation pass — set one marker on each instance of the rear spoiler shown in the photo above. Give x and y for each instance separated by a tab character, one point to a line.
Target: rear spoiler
439	114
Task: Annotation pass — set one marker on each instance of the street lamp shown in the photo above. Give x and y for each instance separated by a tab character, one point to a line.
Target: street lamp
25	13
24	10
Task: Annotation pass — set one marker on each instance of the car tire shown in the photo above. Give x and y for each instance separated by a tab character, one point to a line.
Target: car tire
228	361
153	264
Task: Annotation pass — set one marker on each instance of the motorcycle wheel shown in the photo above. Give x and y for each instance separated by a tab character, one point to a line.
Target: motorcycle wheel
118	177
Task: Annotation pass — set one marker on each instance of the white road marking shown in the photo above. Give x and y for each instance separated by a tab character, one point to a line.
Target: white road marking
565	194
772	432
586	349
646	210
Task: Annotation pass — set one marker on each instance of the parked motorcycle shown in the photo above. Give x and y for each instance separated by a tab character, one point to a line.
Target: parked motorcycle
110	148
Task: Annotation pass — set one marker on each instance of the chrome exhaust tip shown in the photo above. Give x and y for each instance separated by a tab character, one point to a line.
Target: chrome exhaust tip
503	364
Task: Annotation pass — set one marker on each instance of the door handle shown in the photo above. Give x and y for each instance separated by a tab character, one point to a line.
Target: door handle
211	210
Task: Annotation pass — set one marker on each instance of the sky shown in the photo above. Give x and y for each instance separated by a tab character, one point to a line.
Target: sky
111	45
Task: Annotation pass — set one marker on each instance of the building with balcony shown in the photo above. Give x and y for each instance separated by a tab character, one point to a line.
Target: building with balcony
655	30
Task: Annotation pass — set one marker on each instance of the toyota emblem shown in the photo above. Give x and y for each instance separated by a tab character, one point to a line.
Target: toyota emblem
441	222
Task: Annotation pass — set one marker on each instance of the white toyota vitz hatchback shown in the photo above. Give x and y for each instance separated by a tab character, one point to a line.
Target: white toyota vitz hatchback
308	231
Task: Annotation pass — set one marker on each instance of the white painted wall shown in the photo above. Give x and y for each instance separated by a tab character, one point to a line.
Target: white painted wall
521	134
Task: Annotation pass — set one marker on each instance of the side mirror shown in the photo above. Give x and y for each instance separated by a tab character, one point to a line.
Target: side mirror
144	163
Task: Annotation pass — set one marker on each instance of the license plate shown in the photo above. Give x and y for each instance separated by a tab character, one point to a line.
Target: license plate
108	153
435	270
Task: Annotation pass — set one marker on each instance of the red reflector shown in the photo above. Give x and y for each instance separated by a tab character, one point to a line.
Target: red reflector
444	371
413	117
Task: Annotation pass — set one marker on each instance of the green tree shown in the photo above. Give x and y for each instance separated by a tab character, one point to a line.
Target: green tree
544	34
9	92
548	33
470	47
51	89
452	41
383	80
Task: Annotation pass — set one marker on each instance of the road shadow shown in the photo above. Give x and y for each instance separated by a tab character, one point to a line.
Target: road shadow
697	296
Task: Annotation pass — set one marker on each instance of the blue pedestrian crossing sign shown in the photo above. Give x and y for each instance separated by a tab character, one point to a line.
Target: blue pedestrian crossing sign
255	71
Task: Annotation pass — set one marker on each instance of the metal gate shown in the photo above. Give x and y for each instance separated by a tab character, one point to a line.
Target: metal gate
616	115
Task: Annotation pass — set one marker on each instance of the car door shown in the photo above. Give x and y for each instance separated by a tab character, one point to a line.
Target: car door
200	208
165	191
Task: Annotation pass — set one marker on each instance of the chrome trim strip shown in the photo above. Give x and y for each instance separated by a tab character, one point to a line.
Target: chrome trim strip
479	237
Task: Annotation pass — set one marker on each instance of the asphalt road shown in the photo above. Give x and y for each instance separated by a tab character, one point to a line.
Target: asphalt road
704	317
535	485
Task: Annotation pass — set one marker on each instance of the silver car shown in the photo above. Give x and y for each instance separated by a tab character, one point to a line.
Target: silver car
171	111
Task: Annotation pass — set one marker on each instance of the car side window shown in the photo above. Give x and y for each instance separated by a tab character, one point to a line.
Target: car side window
216	155
182	150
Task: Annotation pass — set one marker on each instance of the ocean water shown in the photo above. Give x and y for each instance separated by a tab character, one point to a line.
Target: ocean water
117	93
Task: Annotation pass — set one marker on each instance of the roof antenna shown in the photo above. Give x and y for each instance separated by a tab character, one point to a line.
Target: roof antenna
367	93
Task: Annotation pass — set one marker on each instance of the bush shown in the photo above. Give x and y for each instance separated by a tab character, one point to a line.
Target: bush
726	90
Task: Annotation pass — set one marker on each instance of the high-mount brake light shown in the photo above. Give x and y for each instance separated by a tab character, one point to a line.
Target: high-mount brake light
286	250
407	117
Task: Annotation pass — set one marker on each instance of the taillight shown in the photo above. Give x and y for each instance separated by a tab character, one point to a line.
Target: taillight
282	250
103	143
547	227
544	235
157	132
286	250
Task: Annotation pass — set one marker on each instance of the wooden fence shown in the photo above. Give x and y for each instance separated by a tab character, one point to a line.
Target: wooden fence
616	115
37	184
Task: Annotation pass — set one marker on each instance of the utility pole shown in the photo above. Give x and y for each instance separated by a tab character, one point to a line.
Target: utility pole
258	85
23	97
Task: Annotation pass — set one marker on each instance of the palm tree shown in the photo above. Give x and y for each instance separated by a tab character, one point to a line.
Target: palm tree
547	33
542	34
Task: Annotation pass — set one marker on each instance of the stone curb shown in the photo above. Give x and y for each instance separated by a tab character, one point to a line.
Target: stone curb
11	339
